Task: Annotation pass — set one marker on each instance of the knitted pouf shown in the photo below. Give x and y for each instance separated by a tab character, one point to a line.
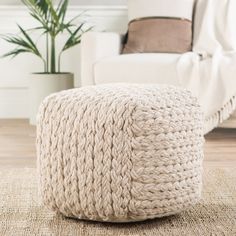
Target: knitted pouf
120	152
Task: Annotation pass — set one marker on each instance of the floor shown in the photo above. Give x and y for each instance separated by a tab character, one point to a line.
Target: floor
17	145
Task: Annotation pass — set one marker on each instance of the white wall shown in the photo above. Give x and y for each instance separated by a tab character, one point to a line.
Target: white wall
15	73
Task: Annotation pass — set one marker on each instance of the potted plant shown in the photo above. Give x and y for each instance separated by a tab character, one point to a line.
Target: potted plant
52	23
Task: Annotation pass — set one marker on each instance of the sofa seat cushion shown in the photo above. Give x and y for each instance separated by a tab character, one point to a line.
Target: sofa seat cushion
138	68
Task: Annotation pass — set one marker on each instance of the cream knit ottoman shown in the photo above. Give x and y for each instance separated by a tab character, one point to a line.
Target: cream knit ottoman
120	152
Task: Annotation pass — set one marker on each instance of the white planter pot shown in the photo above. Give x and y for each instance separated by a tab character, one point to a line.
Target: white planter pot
42	85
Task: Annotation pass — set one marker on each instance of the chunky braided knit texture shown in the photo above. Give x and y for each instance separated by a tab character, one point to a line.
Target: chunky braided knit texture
120	152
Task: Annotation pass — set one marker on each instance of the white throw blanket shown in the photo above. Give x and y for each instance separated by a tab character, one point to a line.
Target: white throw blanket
210	70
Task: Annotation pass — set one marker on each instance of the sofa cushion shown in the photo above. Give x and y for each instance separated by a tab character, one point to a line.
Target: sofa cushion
159	35
138	68
160	26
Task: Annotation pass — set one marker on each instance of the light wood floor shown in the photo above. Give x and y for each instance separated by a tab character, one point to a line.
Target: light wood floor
17	146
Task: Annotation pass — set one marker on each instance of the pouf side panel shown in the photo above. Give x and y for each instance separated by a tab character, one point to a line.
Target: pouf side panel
47	164
111	154
121	158
81	140
167	157
84	154
58	158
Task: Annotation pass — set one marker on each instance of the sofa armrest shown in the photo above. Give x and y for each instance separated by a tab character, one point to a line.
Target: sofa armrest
94	47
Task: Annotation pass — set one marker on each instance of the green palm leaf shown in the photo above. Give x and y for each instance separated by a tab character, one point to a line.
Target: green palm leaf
30	41
38	9
17	41
43	6
73	39
16	52
53	12
62	9
39	19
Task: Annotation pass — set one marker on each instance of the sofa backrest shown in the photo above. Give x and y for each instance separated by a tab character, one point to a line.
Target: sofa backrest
160	8
214	21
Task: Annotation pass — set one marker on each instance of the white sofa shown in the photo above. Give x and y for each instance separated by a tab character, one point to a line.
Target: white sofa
102	62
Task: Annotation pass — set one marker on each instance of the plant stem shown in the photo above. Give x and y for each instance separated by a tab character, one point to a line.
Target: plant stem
47	52
59	62
53	55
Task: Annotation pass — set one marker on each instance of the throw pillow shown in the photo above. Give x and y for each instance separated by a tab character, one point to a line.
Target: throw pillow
163	26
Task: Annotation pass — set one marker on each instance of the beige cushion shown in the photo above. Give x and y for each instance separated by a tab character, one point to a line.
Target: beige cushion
159	35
